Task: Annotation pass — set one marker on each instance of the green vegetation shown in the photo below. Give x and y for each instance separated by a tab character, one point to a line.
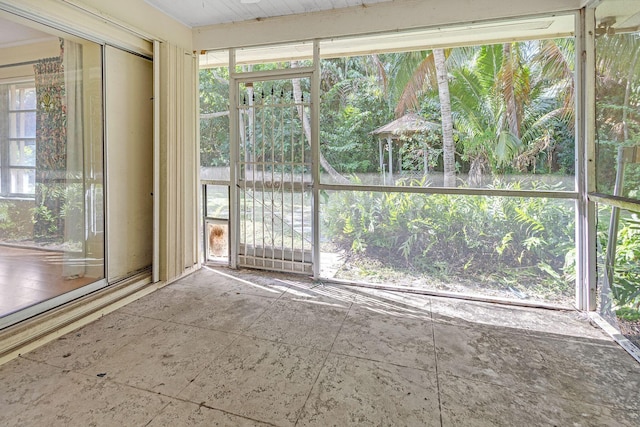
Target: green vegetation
505	116
526	243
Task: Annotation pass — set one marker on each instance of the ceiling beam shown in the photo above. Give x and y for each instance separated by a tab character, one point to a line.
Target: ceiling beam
375	18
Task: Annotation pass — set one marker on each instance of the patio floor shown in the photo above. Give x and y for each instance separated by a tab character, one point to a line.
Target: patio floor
241	348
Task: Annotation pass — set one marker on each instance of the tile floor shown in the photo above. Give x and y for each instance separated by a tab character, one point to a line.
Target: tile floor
227	348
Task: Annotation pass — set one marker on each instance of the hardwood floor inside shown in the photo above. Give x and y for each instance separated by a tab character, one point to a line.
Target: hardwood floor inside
29	276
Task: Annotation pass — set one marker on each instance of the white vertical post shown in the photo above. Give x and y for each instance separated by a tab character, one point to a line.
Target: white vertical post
390	145
585	160
155	258
381	154
315	158
234	200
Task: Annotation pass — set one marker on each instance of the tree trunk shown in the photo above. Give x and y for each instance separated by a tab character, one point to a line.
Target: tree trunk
448	146
297	96
509	91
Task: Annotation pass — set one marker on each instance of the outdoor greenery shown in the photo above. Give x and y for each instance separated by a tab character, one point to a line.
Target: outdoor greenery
505	116
520	242
618	126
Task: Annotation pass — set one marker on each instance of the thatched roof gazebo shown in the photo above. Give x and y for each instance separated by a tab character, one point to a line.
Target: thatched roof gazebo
407	125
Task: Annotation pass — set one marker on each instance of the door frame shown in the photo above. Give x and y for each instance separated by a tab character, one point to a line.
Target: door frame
235	78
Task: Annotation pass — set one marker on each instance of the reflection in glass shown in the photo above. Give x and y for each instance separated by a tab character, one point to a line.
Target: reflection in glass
22	152
51	180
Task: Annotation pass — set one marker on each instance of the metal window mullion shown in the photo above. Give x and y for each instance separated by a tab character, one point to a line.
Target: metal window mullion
234	142
280	163
315	160
262	173
585	175
273	194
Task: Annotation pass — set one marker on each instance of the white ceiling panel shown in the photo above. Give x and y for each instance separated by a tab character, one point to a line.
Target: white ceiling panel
402	41
197	13
14	34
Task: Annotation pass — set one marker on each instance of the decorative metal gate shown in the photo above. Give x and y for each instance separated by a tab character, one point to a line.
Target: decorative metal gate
274	176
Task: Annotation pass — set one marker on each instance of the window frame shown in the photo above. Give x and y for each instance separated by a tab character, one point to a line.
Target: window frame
6	167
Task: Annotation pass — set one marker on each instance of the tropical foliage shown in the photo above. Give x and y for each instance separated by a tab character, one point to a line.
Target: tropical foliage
489	239
506	116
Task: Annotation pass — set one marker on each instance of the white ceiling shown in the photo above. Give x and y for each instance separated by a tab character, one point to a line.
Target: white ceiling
196	13
461	35
14	34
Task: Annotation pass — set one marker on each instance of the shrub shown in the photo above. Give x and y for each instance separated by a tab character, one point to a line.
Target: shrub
470	235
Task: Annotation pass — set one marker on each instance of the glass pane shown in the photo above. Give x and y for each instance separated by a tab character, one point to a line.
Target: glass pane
619	270
617	118
51	212
22	97
514	248
22	125
511	122
217	202
214	123
23	181
217	240
22	152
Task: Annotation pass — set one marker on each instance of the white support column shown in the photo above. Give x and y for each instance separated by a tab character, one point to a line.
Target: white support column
155	263
585	160
315	158
234	200
590	277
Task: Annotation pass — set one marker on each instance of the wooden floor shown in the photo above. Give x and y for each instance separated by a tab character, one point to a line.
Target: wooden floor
29	276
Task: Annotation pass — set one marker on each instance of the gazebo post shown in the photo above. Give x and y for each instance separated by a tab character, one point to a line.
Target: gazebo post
424	157
382	171
407	125
390	144
399	157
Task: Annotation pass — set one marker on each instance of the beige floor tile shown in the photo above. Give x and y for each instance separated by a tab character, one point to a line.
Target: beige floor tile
393	336
93	342
470	403
228	313
597	373
43	395
165	303
307	290
258	379
220	280
185	414
165	359
301	322
242	348
487	353
28	392
525	319
357	392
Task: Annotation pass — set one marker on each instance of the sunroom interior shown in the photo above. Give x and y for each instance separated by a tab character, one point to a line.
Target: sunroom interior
142	141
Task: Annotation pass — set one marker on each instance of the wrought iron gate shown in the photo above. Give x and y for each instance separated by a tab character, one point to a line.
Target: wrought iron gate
274	178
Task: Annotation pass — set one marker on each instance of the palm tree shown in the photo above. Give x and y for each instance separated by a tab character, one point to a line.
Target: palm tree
415	74
448	146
